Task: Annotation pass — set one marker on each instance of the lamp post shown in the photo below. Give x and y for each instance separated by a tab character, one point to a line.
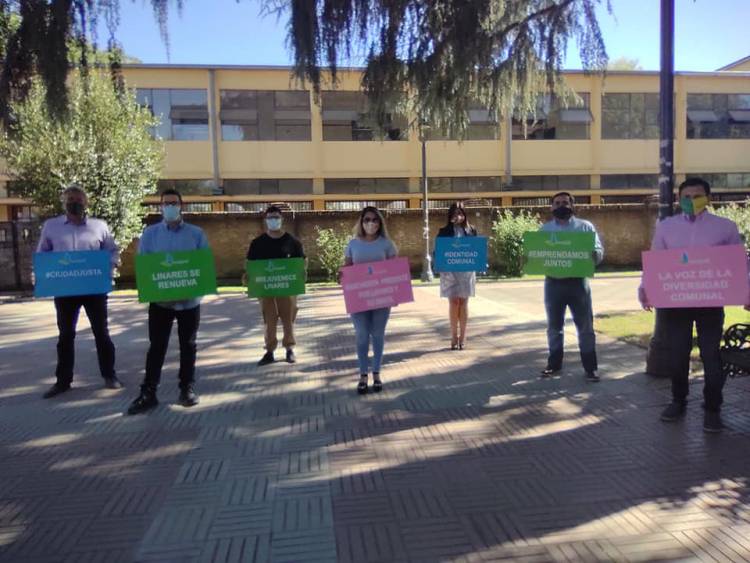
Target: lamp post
427	275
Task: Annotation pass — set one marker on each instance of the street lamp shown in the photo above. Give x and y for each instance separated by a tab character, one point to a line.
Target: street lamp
427	275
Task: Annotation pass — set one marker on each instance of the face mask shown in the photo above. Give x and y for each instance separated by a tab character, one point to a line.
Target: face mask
457	219
693	206
170	213
562	213
273	223
75	208
371	228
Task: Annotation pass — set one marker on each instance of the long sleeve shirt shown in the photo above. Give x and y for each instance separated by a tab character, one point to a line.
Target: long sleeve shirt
574	224
62	235
680	231
184	237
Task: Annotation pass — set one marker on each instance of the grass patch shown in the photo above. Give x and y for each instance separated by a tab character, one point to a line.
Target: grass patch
637	327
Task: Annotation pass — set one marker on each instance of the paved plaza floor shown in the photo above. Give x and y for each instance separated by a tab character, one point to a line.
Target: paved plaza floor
465	455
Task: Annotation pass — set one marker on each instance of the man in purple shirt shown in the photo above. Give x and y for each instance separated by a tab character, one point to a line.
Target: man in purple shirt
76	231
694	227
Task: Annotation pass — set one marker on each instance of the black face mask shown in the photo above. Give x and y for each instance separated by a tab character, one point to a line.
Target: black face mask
75	208
562	213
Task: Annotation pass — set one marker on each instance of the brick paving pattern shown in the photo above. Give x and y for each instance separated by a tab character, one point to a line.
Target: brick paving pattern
465	456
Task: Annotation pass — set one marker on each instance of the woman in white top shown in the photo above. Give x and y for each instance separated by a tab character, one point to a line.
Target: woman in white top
457	286
371	243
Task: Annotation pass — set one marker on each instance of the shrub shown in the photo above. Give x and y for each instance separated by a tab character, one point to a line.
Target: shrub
331	245
740	214
506	242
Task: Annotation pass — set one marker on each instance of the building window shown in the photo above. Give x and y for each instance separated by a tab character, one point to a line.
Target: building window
718	116
259	115
188	187
3	189
551	183
555	121
4	235
260	207
183	114
630	116
726	180
358	205
366	186
346	118
254	186
465	184
635	181
483	126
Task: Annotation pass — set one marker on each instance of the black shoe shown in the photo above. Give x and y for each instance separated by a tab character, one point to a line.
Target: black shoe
362	385
144	402
266	359
290	357
549	371
188	398
674	411
712	422
592	377
112	383
55	390
377	385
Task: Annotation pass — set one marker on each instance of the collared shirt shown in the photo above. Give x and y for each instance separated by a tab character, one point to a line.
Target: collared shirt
707	229
184	237
61	235
574	224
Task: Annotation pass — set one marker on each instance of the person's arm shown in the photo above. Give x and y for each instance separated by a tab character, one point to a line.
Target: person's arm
109	244
202	240
252	251
390	251
659	242
598	249
45	244
144	243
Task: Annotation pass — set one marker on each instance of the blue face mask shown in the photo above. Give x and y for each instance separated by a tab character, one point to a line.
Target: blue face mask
170	213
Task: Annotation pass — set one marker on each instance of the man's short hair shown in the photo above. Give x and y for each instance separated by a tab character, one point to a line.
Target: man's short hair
75	189
694	181
558	194
272	209
171	191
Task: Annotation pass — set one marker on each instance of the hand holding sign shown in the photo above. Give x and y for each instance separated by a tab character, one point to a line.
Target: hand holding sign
560	254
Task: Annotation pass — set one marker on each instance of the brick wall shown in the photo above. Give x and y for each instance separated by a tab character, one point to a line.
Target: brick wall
625	230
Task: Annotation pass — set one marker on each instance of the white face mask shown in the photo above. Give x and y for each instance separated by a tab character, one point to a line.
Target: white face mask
371	228
273	223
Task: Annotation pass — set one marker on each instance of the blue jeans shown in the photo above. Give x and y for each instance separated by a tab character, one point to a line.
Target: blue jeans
370	325
559	294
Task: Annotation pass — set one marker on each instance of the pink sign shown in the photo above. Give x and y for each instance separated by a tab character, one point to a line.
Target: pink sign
374	285
708	276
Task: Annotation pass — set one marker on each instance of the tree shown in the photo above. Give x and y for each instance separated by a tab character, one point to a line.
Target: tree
432	59
624	63
103	143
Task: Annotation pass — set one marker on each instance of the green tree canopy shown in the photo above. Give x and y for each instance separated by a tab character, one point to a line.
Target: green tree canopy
103	143
435	59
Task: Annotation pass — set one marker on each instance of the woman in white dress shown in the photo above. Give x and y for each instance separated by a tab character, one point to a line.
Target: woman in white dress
457	286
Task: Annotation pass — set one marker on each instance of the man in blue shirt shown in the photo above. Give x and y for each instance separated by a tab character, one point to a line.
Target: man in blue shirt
76	231
561	293
172	234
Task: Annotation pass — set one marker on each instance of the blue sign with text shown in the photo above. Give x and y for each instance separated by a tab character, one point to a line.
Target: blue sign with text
80	272
461	254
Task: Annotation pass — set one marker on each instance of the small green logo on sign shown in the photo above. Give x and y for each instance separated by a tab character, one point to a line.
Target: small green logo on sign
281	277
559	254
175	276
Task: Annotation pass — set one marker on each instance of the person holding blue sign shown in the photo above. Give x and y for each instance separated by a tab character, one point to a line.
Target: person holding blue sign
574	293
172	234
75	231
457	287
371	243
276	243
694	227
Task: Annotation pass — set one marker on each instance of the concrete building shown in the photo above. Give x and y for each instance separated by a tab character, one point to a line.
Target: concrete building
238	138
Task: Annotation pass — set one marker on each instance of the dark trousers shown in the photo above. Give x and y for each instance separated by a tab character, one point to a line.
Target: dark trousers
160	321
678	329
68	309
559	294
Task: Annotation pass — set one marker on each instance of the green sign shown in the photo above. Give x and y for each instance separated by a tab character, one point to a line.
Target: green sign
281	277
559	254
175	276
